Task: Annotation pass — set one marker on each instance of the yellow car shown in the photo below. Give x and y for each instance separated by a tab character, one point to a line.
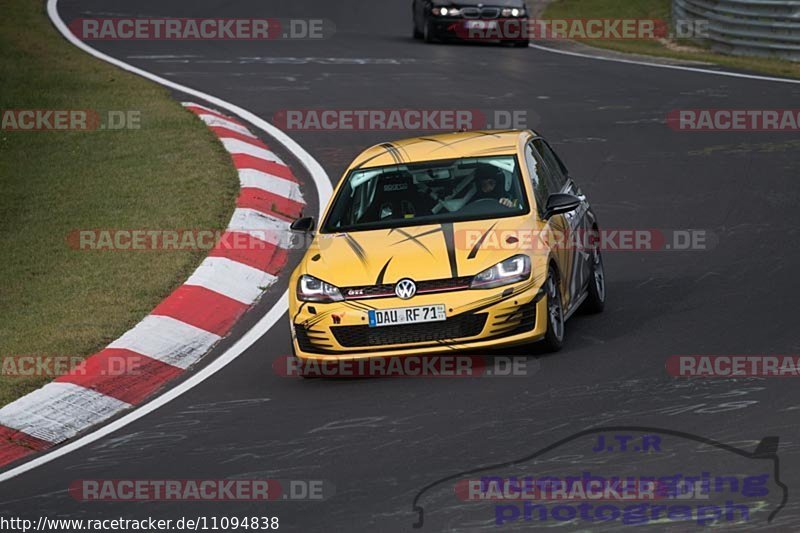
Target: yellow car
468	240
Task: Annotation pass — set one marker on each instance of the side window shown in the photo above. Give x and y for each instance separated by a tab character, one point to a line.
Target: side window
557	170
540	177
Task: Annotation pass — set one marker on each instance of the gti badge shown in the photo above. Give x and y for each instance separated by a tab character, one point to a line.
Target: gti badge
405	289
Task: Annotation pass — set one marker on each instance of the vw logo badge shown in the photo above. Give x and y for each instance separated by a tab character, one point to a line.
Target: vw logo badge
405	289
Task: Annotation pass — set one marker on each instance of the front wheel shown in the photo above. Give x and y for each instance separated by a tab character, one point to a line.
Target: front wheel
554	338
417	34
596	300
428	34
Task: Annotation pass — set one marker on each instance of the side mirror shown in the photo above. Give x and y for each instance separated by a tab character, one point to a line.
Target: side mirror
303	225
559	203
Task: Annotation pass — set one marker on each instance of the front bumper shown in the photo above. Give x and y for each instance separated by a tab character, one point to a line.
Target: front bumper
507	30
476	319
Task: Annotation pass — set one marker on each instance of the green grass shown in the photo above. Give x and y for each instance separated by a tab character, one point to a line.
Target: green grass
660	9
170	173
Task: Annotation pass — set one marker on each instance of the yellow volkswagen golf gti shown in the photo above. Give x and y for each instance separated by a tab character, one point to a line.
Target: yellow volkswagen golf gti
469	240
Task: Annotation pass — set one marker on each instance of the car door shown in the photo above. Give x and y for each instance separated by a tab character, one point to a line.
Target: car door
579	223
557	224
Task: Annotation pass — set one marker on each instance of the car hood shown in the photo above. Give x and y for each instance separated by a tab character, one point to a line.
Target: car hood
436	251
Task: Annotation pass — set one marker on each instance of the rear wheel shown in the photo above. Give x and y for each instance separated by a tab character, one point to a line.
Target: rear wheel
596	300
554	338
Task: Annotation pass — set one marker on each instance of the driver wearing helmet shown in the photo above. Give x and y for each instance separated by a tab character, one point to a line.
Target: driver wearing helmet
490	180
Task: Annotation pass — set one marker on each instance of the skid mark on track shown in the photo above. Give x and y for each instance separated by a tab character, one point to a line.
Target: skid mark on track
747	148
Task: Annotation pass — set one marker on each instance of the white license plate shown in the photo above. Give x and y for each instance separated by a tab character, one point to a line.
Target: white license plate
406	315
480	24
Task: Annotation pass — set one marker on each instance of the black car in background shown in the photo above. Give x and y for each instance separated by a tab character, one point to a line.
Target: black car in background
498	20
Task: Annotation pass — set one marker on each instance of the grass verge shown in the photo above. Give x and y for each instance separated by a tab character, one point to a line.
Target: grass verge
170	173
681	49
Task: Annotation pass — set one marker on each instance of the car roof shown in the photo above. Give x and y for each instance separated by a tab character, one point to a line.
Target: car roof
483	143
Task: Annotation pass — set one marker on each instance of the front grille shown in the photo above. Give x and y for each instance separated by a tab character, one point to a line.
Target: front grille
457	327
485	13
386	290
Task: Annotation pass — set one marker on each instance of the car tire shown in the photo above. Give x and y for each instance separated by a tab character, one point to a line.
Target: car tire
596	298
417	34
428	34
554	337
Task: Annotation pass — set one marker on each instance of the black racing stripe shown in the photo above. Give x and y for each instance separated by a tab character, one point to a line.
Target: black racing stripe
391	151
478	135
430	139
357	248
450	243
484	303
414	238
478	244
376	156
402	149
311	322
299	310
360	306
400	157
382	273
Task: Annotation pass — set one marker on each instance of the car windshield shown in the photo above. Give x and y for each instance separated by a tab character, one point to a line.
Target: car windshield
428	193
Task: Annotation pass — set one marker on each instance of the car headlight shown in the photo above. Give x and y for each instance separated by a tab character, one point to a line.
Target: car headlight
517	268
311	289
446	12
513	12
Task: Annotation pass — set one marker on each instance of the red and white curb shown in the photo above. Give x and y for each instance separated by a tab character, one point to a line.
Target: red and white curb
188	323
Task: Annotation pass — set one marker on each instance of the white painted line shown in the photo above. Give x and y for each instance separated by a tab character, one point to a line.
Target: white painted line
212	121
168	340
235	146
261	226
232	279
324	191
251	178
59	411
661	65
199	106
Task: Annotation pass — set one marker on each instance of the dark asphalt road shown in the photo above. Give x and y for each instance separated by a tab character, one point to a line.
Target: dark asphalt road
380	441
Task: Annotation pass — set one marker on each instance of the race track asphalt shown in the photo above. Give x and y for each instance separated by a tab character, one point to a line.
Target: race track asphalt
380	441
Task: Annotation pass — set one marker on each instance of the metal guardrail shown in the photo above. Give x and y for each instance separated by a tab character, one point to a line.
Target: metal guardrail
746	27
